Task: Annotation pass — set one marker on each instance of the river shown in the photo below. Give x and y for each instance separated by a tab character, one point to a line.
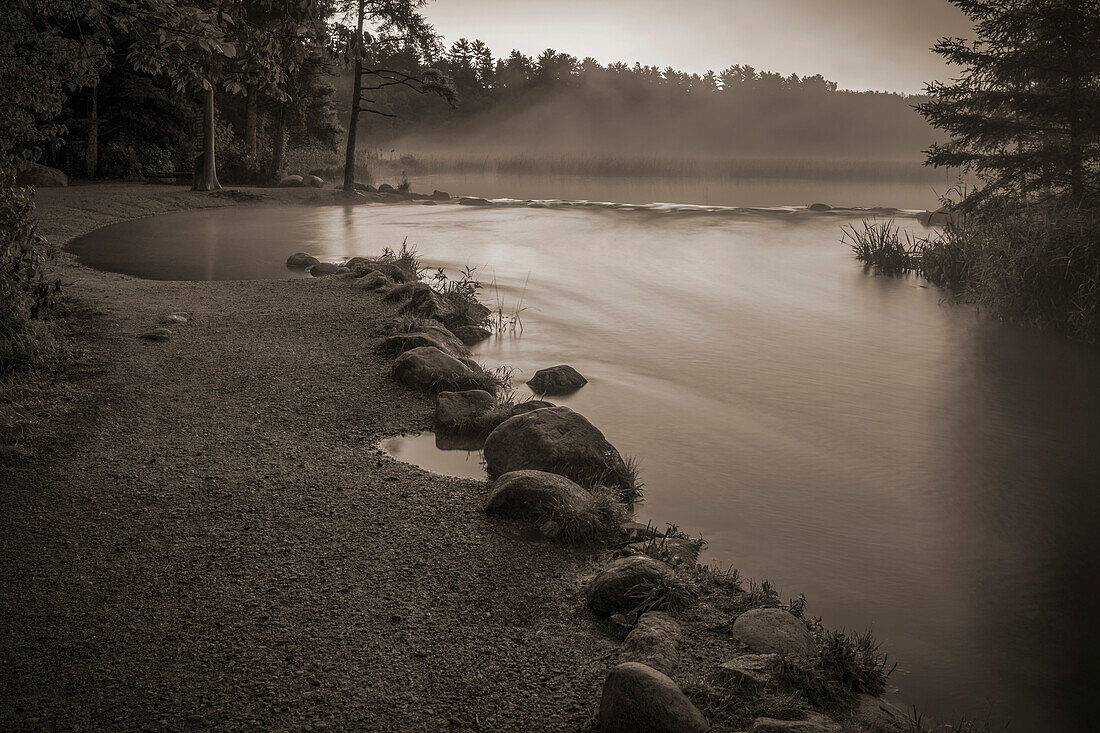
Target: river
909	465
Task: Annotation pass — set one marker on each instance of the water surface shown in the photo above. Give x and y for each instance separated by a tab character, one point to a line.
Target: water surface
906	464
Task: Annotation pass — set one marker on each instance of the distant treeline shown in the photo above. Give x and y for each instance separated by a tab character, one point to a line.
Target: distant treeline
556	104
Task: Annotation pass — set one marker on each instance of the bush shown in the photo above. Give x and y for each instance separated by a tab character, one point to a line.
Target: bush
25	292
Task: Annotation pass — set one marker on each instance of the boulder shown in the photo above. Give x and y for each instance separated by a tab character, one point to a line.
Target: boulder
748	671
374	281
438	195
473	201
314	181
365	187
392	271
405	291
655	642
810	722
536	496
620	585
430	304
462	411
558	440
301	261
774	630
322	269
873	714
427	367
636	531
342	271
561	379
41	176
386	188
428	335
820	207
639	699
492	419
356	263
294	181
173	319
471	335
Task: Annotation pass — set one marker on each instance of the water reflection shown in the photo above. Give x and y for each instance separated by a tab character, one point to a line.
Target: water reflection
438	454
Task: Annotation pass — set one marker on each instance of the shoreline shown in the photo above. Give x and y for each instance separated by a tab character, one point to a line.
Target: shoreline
132	303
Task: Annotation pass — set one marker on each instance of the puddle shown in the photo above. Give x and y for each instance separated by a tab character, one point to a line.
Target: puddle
441	454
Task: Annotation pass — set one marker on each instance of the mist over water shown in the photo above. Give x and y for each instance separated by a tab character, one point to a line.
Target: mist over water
906	464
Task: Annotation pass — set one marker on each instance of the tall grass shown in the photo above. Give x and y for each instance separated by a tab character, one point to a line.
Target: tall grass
1037	264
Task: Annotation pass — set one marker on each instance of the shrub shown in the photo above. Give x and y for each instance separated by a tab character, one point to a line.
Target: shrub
26	294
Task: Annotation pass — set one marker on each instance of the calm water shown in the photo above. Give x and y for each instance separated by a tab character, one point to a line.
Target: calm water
906	465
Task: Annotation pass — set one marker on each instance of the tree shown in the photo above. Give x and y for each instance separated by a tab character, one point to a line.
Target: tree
1025	112
381	26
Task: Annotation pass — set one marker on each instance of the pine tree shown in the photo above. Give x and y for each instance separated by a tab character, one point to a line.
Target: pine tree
1025	113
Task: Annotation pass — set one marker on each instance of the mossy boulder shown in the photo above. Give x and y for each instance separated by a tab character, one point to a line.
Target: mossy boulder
536	496
775	630
557	440
556	380
471	335
428	368
639	699
462	411
619	586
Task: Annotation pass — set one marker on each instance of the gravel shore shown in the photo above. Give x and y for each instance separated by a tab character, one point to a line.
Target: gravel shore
200	532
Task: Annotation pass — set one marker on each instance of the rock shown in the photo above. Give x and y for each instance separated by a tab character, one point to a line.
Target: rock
365	187
429	335
301	261
638	531
374	281
438	195
462	411
429	368
341	271
173	319
875	715
558	440
673	550
473	201
386	188
618	587
358	263
430	304
748	671
491	420
471	335
811	722
654	642
774	630
294	181
405	291
321	269
392	271
427	202
535	496
42	176
314	181
820	207
639	699
157	334
561	379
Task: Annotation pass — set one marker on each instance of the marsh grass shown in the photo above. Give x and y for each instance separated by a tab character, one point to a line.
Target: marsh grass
1037	264
667	593
406	258
598	528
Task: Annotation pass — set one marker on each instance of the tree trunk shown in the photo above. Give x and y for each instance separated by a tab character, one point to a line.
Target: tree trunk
278	145
251	103
356	94
206	179
91	155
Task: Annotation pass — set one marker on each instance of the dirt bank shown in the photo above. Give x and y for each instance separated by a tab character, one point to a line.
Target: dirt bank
201	533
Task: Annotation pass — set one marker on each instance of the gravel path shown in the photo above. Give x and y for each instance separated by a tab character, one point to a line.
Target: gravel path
204	535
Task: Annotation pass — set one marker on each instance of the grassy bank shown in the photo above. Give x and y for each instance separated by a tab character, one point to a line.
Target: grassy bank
1038	265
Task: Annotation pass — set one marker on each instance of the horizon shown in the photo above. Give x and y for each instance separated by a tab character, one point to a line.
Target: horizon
862	45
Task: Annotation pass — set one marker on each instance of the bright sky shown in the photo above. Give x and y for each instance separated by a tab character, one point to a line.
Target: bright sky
860	44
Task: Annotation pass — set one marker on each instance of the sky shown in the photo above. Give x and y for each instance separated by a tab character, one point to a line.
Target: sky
860	44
